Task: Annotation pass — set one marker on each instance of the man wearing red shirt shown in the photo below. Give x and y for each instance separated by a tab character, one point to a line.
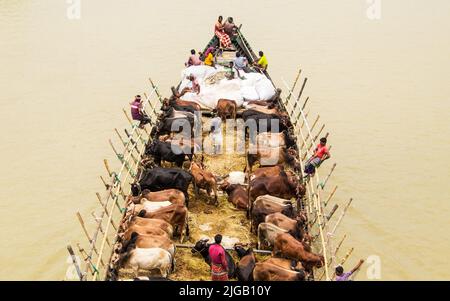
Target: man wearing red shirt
219	266
320	154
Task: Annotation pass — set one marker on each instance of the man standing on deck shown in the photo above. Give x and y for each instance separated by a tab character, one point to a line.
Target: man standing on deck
321	154
219	265
137	112
341	276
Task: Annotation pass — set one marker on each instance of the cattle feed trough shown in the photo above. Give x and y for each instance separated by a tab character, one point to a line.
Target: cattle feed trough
96	258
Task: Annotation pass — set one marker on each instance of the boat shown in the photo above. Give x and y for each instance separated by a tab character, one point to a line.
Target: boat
97	259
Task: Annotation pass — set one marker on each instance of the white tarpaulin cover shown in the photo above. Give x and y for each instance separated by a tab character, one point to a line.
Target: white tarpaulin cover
255	86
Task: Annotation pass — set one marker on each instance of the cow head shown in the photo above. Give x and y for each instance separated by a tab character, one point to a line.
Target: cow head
300	190
201	247
241	251
289	211
301	275
136	189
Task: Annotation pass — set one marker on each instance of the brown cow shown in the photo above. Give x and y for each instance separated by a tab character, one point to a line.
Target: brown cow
281	186
269	156
174	196
145	230
225	108
295	226
267	171
205	180
150	222
237	195
286	263
269	272
175	215
287	246
145	241
262	207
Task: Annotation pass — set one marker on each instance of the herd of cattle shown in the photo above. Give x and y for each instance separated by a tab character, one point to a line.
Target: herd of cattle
157	210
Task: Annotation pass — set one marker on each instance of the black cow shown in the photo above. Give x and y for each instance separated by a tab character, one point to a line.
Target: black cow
159	178
173	125
202	247
168	152
264	122
246	264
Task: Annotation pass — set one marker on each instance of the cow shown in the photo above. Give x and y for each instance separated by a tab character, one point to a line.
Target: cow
266	235
175	215
288	247
141	229
165	151
225	108
264	271
174	196
173	125
274	123
237	195
263	207
204	179
270	156
202	247
246	264
269	171
275	139
159	178
149	206
147	222
287	264
146	241
180	104
146	259
282	186
295	226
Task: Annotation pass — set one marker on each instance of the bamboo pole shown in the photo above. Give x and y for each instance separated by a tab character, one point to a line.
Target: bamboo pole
156	90
105	209
99	223
74	261
330	196
341	216
83	226
322	184
330	215
87	259
312	128
125	144
293	87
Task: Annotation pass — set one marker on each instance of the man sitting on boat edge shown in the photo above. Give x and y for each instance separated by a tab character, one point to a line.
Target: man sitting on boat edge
321	154
137	112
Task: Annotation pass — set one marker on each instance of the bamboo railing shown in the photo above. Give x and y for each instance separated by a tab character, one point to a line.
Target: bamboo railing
315	199
113	201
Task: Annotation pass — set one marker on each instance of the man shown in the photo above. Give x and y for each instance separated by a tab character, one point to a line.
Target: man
216	133
229	27
229	71
137	112
219	265
192	86
321	154
193	60
241	63
341	276
262	63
